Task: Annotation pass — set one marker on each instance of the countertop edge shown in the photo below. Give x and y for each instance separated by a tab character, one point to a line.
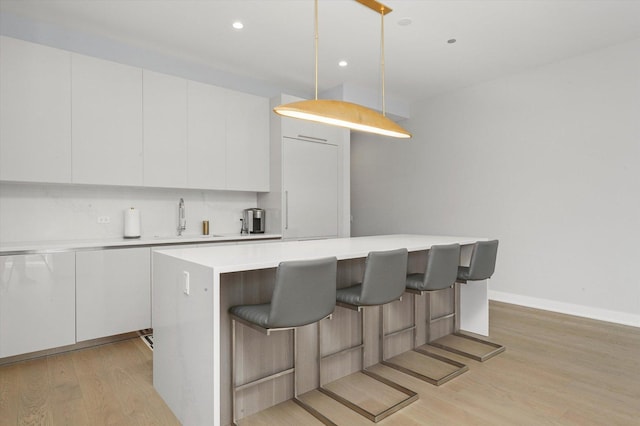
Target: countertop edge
83	245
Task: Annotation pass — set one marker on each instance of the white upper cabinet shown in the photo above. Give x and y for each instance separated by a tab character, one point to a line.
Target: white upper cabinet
69	118
206	141
165	130
247	142
106	117
35	112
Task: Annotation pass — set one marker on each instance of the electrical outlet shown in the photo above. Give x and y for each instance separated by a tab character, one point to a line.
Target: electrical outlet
104	219
185	281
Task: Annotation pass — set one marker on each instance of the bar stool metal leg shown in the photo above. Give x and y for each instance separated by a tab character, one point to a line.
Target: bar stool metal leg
233	372
374	417
308	282
437	381
494	348
235	388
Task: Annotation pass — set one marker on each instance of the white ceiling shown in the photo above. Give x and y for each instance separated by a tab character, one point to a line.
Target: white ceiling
494	38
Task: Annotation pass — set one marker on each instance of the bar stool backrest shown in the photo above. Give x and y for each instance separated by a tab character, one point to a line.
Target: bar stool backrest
442	267
483	260
305	292
384	277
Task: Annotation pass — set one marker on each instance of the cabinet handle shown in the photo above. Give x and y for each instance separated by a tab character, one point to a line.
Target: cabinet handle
312	138
286	209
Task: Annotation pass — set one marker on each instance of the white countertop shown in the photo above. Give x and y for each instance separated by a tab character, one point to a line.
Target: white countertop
268	255
56	246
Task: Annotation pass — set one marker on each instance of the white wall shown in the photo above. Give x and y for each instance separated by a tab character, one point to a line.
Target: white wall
39	212
548	161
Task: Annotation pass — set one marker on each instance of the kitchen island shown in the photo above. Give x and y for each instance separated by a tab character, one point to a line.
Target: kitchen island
194	287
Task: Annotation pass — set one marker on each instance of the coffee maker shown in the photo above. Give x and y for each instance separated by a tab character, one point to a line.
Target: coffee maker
253	221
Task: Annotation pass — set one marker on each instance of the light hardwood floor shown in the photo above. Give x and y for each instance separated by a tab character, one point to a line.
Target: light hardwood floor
557	370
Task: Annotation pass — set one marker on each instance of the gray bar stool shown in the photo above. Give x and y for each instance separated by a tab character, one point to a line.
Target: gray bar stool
383	282
304	293
481	267
440	274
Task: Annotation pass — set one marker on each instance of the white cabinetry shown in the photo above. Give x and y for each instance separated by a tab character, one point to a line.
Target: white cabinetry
35	112
247	142
113	291
309	177
206	143
70	118
310	184
106	112
37	302
165	130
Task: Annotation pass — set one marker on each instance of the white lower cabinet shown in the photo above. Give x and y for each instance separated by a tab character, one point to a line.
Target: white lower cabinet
113	292
37	302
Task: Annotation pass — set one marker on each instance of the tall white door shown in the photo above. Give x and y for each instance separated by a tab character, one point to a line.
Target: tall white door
310	185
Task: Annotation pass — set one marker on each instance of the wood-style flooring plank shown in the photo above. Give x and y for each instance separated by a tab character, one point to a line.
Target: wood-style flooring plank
557	370
9	395
34	389
99	396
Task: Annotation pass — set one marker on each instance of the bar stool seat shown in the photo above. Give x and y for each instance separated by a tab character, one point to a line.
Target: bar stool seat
256	314
415	282
383	282
481	267
304	293
440	274
349	295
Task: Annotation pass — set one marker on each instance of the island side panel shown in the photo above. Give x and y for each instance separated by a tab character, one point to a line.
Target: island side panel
474	300
474	307
183	327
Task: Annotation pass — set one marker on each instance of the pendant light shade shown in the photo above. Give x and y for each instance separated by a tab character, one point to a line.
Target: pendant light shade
341	113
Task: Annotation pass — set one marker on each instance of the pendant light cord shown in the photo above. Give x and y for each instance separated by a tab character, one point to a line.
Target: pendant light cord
382	57
316	44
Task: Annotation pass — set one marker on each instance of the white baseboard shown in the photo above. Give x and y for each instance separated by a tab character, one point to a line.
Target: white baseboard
567	308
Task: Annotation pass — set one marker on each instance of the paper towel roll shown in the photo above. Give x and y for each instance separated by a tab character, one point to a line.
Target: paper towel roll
132	223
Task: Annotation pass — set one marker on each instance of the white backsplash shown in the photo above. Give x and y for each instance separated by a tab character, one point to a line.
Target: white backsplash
46	212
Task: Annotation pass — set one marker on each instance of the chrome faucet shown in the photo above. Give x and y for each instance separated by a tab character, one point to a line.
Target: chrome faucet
182	220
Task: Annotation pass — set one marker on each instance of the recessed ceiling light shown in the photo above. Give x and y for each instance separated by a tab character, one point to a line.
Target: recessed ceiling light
343	63
238	25
404	22
451	40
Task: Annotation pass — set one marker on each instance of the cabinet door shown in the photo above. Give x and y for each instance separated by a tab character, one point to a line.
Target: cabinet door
37	302
106	112
310	184
206	142
113	292
165	130
247	142
35	112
